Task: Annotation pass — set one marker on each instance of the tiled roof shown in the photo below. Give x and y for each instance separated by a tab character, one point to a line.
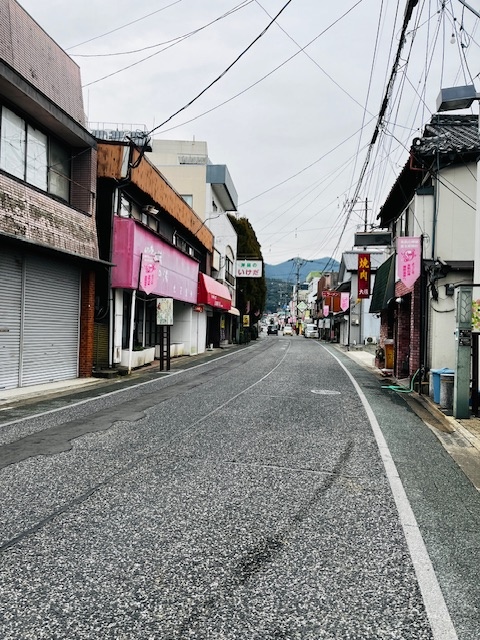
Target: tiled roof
448	133
448	138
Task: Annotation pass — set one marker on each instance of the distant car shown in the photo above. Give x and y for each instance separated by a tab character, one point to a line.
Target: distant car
310	331
272	329
287	330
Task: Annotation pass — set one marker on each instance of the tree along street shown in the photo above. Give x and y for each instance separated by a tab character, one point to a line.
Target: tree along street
276	492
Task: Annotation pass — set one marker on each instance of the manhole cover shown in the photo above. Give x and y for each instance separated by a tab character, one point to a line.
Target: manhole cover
326	392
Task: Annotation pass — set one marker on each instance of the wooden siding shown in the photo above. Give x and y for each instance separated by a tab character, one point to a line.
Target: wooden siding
149	180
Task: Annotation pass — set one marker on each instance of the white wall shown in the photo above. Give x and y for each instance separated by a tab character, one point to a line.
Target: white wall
456	219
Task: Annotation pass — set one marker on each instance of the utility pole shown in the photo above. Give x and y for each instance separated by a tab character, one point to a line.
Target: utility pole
298	264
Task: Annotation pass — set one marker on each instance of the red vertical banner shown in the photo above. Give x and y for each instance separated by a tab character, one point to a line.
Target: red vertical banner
364	268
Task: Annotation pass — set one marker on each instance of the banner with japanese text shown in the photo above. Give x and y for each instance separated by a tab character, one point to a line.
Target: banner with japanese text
409	254
364	270
344	301
148	273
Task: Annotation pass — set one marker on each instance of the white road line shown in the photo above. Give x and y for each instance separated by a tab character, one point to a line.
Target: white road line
435	605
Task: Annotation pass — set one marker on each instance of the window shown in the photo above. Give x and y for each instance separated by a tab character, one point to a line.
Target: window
31	155
59	171
188	199
12	150
37	149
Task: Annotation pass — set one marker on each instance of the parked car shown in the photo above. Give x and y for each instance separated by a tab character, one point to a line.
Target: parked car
287	330
272	329
310	331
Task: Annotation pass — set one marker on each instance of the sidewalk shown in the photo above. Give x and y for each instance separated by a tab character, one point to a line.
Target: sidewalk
461	438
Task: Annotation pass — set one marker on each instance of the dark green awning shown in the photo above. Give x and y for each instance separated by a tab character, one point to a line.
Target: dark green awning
384	286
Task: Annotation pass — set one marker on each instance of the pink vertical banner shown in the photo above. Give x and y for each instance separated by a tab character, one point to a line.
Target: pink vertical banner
326	310
344	301
409	254
148	273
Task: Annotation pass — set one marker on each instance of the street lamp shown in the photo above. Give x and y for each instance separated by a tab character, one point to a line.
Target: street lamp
448	100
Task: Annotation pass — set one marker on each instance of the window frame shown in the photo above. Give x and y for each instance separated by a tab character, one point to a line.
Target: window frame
28	141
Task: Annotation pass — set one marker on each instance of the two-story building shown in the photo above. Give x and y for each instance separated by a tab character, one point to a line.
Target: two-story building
433	200
48	241
161	252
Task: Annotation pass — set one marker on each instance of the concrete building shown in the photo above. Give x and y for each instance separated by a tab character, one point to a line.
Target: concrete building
209	190
48	242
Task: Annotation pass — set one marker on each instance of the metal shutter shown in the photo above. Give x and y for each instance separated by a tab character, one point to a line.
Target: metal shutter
51	324
10	317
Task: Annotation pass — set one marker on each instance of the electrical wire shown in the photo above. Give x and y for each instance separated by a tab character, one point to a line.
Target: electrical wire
172	41
124	26
223	72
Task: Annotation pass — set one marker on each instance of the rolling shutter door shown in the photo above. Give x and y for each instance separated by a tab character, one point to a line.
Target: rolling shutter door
51	325
10	318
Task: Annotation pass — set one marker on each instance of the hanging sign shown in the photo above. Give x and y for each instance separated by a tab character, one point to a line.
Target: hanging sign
364	268
409	251
148	273
344	301
248	268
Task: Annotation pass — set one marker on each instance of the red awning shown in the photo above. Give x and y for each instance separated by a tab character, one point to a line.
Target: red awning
213	293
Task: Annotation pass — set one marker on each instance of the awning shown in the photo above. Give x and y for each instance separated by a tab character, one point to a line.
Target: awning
234	311
213	293
384	286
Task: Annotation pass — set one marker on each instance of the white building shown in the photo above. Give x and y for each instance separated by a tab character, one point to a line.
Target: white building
209	190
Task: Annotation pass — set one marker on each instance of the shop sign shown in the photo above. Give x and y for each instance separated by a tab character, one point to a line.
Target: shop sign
344	301
248	268
148	273
364	269
165	311
409	250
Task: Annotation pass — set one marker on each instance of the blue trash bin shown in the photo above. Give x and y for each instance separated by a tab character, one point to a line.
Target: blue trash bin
435	380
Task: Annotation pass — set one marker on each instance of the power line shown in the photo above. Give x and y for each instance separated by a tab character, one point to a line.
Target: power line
223	72
172	42
128	24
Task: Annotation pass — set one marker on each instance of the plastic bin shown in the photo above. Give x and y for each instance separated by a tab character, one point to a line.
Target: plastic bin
434	386
446	390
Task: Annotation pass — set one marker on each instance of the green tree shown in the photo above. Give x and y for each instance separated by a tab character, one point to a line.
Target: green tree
251	292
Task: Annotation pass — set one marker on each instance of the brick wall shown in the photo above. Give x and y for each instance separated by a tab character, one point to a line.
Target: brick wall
87	328
408	328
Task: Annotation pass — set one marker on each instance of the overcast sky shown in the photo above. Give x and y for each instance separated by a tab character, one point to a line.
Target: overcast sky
293	118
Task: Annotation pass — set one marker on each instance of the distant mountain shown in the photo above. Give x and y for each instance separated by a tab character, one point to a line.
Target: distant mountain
287	271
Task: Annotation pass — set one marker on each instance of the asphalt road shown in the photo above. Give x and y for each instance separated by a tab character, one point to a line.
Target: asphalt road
278	492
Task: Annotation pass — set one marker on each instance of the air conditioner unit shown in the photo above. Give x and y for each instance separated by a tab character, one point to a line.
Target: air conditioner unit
370	340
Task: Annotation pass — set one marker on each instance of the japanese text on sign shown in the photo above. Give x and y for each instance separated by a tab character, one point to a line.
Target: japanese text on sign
364	268
249	269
